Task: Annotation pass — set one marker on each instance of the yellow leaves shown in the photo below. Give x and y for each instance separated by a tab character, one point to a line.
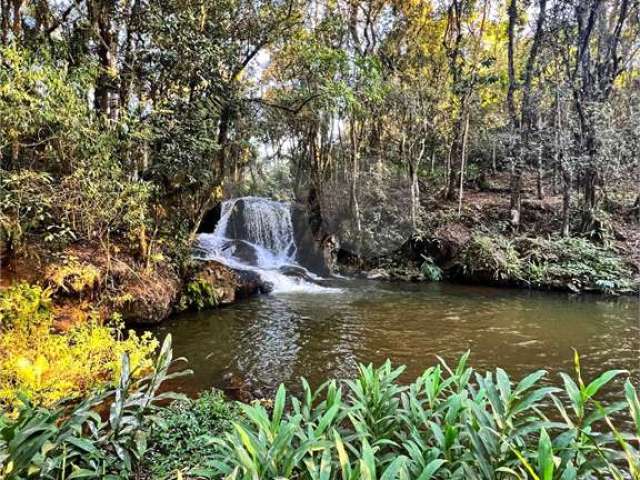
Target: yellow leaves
30	373
48	367
74	277
217	193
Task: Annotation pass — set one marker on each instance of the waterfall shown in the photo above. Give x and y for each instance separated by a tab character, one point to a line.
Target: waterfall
257	234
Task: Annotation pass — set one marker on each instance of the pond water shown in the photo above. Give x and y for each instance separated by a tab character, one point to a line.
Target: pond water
279	338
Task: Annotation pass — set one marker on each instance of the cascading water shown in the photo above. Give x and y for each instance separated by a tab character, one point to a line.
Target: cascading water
257	234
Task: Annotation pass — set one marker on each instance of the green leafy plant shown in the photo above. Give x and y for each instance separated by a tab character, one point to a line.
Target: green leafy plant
430	270
199	294
449	423
492	257
574	263
181	440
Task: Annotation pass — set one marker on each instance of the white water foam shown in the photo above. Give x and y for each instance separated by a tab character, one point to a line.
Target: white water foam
265	244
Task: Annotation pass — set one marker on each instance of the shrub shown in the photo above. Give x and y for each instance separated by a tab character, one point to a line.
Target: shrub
181	440
430	271
492	256
67	177
46	367
75	442
73	277
199	294
574	263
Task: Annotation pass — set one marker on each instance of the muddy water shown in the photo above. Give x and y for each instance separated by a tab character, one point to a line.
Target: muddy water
279	338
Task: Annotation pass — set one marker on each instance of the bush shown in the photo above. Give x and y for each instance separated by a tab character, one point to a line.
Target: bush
182	441
492	257
449	423
199	294
66	176
430	271
75	442
576	264
73	277
46	367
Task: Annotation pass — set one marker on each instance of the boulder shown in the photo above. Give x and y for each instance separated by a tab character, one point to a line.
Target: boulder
222	279
296	272
249	283
378	274
316	250
244	251
148	297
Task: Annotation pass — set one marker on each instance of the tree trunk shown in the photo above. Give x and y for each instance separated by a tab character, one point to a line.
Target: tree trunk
223	139
463	157
539	167
457	152
414	165
17	18
515	203
355	173
566	199
5	10
106	97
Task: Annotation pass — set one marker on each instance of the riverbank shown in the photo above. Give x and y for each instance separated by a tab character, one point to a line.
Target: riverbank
87	278
473	242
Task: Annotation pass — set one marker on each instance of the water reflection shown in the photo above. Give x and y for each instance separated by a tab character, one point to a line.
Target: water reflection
282	337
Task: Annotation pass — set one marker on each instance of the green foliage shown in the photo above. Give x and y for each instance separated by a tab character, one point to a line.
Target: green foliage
576	264
199	294
46	120
449	423
182	437
75	442
430	270
64	180
492	256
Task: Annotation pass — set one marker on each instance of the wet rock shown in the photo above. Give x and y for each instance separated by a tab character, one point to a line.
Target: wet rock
296	272
219	277
236	226
451	239
244	251
443	245
378	274
229	284
249	283
316	249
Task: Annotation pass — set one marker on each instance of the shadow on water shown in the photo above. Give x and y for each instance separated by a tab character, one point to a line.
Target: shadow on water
279	338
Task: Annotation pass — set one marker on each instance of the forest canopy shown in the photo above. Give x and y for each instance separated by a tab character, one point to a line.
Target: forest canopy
357	109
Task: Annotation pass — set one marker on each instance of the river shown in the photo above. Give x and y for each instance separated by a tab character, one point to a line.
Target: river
281	337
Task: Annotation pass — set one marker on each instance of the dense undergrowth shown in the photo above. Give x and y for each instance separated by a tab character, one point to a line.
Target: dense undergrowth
574	264
450	423
76	213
